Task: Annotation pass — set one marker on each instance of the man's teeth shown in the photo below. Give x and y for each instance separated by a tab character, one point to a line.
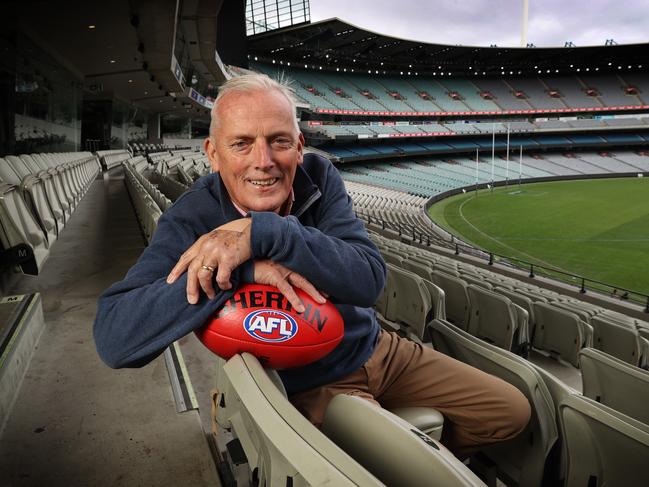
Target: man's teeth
263	182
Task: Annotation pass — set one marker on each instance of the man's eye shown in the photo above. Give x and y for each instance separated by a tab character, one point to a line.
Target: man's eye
239	144
282	142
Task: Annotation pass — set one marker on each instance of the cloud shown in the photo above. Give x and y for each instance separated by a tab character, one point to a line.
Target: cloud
486	22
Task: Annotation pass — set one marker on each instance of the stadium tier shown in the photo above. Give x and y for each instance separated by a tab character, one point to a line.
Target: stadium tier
365	94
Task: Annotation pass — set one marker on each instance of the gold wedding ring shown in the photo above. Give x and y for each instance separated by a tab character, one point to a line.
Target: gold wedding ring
208	268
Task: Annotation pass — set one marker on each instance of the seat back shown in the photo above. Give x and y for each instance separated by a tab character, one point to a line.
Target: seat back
476	281
438	300
604	447
279	443
391	449
558	331
617	338
615	383
492	317
522	458
409	303
457	298
523	301
422	270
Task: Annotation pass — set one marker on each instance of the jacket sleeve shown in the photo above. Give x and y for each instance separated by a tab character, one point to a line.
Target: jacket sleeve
138	317
336	255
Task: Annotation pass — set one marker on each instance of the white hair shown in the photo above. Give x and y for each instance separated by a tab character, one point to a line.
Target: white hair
249	83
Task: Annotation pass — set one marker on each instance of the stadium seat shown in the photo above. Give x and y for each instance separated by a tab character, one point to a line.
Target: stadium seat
616	384
390	448
523	301
280	445
419	268
618	339
604	447
457	298
409	306
495	319
33	192
555	471
20	231
523	458
560	332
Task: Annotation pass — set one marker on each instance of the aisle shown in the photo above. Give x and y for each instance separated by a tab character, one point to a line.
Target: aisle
75	421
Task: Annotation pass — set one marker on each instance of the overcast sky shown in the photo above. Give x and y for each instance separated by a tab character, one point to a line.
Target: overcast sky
486	22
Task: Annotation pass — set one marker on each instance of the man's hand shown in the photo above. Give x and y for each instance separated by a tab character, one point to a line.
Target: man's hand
222	250
274	274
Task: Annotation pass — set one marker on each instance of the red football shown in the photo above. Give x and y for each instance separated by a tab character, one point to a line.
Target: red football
258	319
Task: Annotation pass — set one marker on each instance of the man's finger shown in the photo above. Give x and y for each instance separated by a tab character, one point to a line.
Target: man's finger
301	282
192	284
181	266
289	293
205	279
223	275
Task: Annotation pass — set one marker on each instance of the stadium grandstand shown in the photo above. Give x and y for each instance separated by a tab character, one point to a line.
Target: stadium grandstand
104	107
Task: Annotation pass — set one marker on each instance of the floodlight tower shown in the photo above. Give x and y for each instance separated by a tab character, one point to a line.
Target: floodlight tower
526	4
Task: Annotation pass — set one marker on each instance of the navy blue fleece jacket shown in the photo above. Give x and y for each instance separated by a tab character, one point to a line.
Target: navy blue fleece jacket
138	317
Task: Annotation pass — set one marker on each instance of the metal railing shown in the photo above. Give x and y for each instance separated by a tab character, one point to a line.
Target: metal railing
584	284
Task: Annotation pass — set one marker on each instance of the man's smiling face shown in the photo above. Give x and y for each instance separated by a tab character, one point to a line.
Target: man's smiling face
256	148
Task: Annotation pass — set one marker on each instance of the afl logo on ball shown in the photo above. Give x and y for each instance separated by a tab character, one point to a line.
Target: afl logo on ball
269	325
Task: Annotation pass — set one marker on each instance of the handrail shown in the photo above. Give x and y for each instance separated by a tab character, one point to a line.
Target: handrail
583	283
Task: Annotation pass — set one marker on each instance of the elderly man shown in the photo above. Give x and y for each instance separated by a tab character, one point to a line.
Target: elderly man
272	215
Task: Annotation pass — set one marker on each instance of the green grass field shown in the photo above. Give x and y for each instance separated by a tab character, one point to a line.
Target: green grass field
595	228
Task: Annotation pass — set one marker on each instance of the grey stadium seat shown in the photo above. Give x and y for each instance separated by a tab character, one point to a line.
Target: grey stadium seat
391	449
496	319
408	302
616	384
523	458
280	443
457	298
619	339
605	447
524	302
560	332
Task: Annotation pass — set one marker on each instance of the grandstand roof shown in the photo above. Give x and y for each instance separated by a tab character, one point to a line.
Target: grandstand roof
336	44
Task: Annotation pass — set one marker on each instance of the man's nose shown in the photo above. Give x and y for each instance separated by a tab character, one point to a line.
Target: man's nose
263	155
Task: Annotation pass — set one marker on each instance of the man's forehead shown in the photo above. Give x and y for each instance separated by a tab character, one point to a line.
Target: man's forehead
238	110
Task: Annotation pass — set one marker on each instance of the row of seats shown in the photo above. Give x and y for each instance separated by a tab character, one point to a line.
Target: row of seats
419	129
572	439
358	91
426	176
39	194
112	158
513	314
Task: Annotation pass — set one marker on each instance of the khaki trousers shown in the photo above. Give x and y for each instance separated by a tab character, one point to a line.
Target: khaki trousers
478	408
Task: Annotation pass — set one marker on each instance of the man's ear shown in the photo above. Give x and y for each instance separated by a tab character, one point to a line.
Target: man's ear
210	151
300	147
